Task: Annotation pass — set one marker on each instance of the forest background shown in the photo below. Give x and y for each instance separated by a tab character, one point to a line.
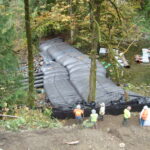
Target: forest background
86	24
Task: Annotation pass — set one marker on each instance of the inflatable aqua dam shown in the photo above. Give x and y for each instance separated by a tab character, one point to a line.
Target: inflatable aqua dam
66	82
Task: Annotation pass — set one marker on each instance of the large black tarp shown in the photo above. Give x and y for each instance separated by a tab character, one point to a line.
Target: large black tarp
66	77
58	87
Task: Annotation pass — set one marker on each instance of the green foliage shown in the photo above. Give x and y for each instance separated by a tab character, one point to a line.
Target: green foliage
40	5
13	125
47	112
115	20
50	17
10	90
49	20
30	119
143	18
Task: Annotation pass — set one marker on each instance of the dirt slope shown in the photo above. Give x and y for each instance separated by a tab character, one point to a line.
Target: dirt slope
107	136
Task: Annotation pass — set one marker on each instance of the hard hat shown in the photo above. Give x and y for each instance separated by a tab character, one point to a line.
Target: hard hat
145	107
78	106
102	104
93	111
129	107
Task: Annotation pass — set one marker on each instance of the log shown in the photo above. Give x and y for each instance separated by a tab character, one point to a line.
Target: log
1	115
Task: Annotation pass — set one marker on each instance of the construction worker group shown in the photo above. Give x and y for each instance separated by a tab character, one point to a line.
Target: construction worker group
143	116
94	116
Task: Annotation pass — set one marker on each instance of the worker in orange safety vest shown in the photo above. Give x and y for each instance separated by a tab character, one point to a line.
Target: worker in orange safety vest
78	113
144	115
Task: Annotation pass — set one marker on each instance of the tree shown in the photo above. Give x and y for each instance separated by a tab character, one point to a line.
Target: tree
11	91
106	17
143	16
95	20
91	23
30	55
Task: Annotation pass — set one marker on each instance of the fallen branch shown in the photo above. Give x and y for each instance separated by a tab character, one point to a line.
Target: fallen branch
1	115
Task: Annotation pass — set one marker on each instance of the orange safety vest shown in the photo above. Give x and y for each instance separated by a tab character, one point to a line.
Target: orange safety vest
144	114
78	112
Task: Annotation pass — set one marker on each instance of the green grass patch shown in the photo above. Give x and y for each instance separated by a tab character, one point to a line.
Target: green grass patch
30	119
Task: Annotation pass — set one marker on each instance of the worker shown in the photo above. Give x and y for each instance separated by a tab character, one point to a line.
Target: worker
78	113
94	118
102	111
126	115
144	115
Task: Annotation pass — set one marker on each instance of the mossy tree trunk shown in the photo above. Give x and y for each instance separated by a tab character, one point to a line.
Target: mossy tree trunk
92	81
72	31
30	55
95	20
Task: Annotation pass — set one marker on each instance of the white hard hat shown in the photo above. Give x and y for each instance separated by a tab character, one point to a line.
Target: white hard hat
93	111
145	107
129	107
102	104
78	106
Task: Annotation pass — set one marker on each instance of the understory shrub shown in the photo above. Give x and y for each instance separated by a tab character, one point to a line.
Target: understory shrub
30	119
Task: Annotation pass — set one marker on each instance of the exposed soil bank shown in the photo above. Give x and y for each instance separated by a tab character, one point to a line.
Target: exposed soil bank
107	136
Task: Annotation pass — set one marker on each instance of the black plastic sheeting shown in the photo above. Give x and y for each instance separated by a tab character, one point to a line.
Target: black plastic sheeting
58	87
66	82
113	108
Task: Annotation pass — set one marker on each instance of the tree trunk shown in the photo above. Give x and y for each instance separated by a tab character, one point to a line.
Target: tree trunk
72	30
94	19
92	82
30	55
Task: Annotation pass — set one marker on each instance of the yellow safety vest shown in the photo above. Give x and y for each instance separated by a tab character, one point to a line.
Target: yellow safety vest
94	117
127	114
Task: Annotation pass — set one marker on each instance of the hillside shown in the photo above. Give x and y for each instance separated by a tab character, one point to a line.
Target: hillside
107	136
